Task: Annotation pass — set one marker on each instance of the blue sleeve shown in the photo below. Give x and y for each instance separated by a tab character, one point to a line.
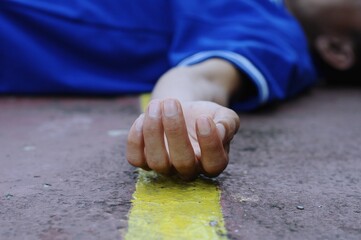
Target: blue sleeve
258	37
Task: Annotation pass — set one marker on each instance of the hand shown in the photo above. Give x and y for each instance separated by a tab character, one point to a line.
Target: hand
187	139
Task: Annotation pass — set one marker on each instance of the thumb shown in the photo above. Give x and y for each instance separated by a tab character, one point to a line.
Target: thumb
221	131
227	122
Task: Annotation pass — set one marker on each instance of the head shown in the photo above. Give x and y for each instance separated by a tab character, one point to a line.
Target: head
333	28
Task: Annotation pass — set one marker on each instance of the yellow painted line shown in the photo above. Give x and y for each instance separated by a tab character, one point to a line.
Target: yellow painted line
144	100
168	208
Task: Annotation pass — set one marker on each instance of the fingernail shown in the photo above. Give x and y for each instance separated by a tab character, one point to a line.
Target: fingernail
203	125
170	108
139	123
221	130
154	109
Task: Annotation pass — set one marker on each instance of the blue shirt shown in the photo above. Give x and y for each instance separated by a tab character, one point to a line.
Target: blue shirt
122	47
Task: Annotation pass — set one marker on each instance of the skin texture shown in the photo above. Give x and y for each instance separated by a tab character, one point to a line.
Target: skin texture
187	128
185	131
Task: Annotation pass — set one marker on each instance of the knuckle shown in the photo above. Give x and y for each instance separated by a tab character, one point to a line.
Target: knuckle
133	143
151	128
185	167
162	169
160	166
211	143
134	159
173	129
213	172
213	169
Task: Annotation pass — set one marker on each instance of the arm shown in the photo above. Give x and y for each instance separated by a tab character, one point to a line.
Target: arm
212	80
195	120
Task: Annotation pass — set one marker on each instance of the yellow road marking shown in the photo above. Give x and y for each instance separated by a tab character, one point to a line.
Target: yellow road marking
168	208
144	100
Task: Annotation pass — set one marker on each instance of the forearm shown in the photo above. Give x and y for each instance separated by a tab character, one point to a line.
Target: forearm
213	80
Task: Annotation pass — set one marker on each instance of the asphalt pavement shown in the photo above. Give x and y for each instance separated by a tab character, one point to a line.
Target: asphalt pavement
294	172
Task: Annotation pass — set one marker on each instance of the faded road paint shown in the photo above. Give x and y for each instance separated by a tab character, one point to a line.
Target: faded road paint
169	208
165	208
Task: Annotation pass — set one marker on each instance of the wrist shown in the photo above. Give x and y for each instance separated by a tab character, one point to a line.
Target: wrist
213	80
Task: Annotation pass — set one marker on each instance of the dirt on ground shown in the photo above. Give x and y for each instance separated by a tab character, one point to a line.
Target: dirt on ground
294	169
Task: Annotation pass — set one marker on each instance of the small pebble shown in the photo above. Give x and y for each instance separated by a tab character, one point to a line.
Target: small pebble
29	148
46	185
213	223
300	207
117	132
8	196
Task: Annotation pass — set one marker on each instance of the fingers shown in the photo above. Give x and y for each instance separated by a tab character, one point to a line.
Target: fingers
160	139
181	151
155	151
135	145
214	159
162	117
227	122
